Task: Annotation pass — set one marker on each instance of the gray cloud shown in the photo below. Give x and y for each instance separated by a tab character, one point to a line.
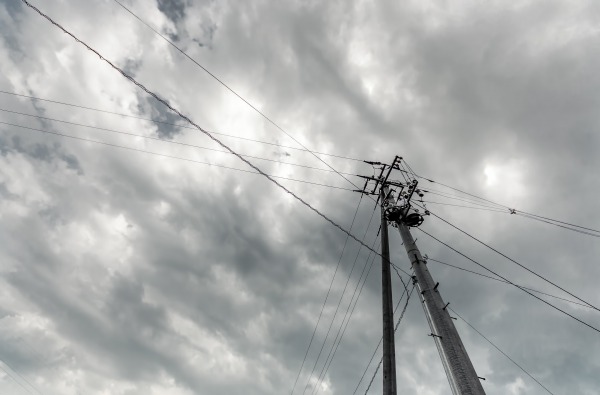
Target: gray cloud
136	274
174	9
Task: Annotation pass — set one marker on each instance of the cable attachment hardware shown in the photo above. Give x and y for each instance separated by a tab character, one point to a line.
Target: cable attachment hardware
395	214
413	219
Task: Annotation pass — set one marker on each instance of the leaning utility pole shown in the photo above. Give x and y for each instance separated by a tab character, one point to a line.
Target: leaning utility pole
398	211
459	369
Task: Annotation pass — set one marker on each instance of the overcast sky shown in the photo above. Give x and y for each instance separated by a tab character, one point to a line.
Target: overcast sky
128	273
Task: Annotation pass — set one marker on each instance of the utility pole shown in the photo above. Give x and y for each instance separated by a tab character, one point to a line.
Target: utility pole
399	212
389	349
459	369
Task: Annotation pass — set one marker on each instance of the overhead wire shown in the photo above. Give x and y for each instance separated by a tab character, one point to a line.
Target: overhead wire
428	259
326	297
380	341
366	276
458	205
162	140
517	212
447	196
408	167
10	375
555	220
234	92
558	224
34	98
510	282
370	266
23	378
337	309
513	261
187	119
502	352
347	315
512	210
460	191
403	173
500	208
377	348
169	156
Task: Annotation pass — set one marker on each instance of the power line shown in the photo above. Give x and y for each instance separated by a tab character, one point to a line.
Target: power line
162	140
502	281
571	227
510	282
170	156
447	196
396	268
234	92
461	191
34	98
187	119
536	218
507	207
342	328
355	303
336	311
363	284
326	298
515	262
555	220
380	340
502	352
471	207
21	376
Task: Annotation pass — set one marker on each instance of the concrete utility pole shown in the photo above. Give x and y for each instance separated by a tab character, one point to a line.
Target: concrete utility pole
398	210
459	369
389	348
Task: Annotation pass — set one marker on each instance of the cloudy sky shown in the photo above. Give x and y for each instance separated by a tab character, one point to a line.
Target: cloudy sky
126	272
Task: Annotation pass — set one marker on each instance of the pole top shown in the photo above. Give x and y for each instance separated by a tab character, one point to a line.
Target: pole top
397	184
